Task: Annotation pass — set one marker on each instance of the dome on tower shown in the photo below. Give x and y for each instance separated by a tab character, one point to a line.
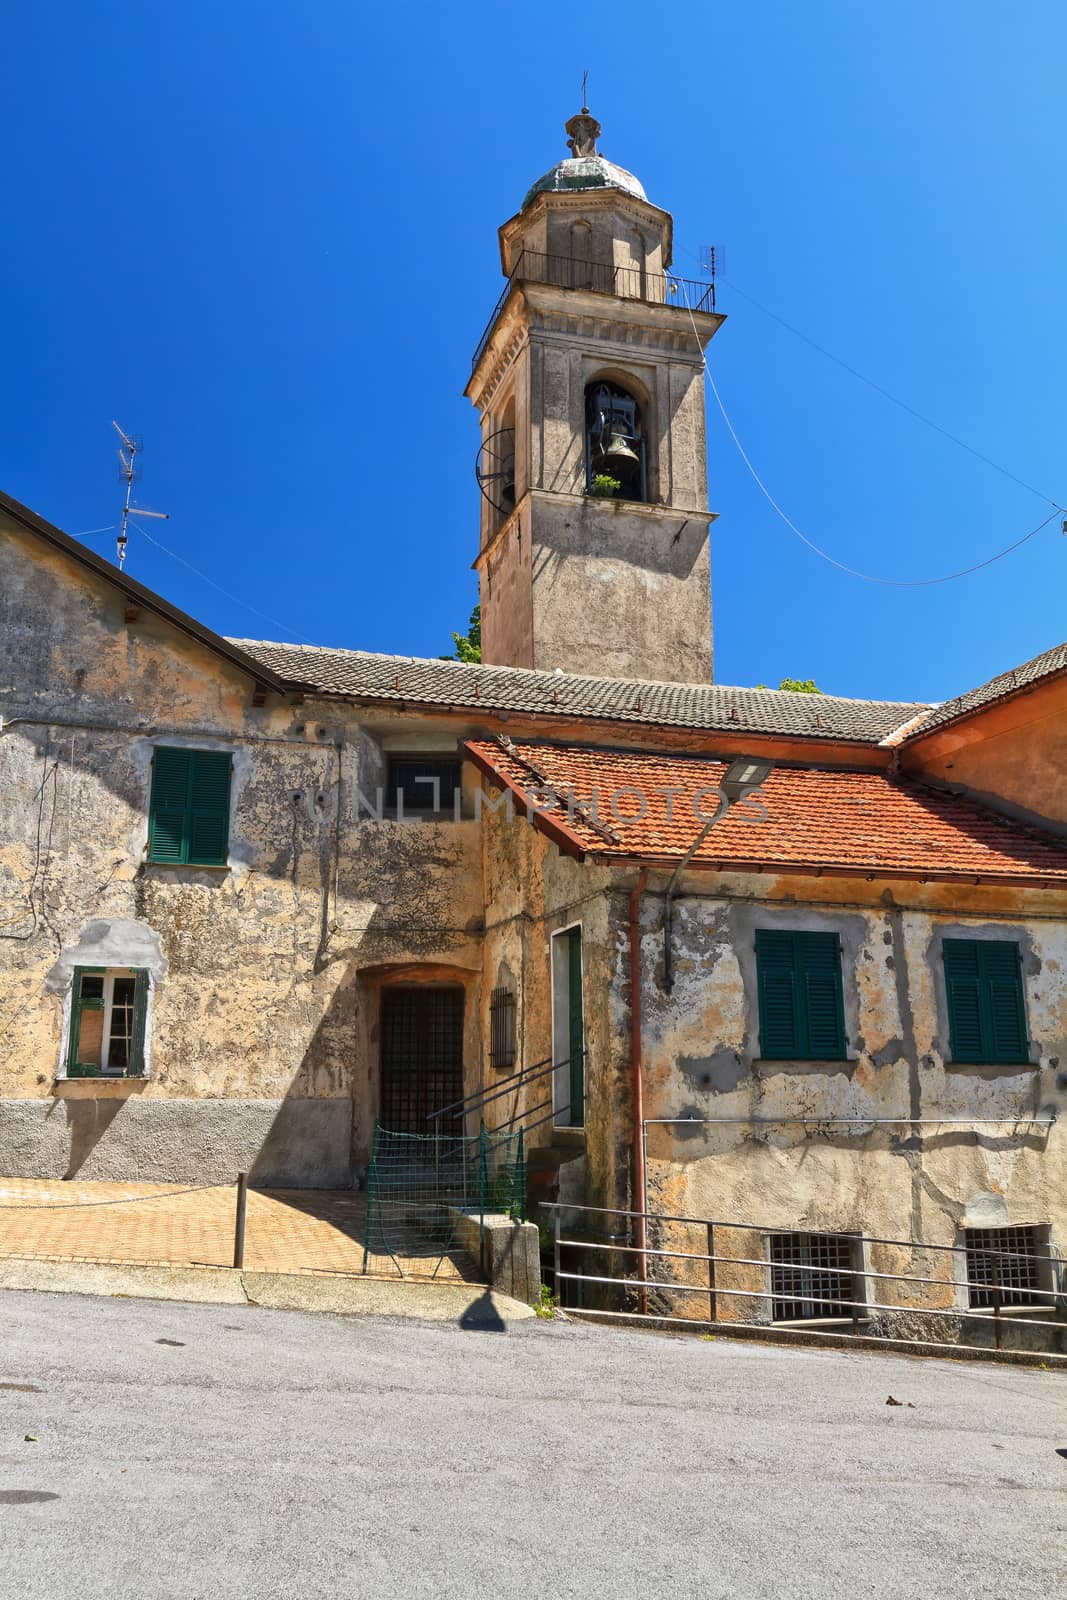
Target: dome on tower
584	168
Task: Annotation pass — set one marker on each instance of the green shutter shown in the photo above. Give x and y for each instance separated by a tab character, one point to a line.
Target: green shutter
801	1005
984	996
140	1017
209	805
778	1009
168	821
189	814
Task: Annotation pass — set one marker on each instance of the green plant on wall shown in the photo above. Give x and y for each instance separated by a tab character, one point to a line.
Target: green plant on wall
604	486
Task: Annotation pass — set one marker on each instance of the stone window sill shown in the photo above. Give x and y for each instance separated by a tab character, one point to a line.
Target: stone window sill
992	1066
97	1088
802	1063
188	866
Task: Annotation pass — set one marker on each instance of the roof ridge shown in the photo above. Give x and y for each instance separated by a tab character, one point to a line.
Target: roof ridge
576	677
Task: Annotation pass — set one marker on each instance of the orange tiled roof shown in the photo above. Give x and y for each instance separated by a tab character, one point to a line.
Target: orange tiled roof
865	822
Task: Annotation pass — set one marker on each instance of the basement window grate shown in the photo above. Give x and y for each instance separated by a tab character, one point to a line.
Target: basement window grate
1013	1260
812	1275
502	1028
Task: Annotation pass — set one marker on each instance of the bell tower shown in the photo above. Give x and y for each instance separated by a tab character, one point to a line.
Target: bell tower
588	381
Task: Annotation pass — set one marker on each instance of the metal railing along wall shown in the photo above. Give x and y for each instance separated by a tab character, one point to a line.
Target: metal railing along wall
724	1283
600	277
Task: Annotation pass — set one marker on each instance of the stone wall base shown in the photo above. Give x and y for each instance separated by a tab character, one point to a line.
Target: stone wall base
291	1143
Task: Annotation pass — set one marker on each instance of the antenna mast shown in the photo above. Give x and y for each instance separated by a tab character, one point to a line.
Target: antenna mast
129	450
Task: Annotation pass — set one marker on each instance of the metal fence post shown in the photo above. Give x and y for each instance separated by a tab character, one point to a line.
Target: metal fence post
711	1271
996	1314
556	1284
239	1220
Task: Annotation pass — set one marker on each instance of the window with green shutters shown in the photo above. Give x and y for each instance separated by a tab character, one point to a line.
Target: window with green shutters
984	995
189	813
108	1016
801	1007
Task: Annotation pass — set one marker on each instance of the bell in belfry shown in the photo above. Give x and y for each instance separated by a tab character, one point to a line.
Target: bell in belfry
619	452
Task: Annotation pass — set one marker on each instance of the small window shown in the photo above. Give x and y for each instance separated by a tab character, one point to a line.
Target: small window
1013	1261
189	813
801	1007
108	1010
984	995
502	1028
422	786
813	1275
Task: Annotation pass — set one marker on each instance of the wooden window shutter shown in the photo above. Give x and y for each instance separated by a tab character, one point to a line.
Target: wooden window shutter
189	815
209	807
776	980
819	960
135	1068
984	996
168	818
801	1004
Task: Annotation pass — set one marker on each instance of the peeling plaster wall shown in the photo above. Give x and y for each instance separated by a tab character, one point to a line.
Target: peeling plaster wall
702	1061
257	1050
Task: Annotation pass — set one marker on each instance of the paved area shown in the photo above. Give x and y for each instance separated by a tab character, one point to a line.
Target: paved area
287	1230
181	1452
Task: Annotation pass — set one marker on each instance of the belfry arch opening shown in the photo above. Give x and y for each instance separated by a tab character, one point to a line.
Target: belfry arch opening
615	443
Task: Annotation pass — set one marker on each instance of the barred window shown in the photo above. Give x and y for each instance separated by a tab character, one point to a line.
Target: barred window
812	1275
1011	1260
502	1028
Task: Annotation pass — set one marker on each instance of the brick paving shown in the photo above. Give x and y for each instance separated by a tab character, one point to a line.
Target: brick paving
157	1224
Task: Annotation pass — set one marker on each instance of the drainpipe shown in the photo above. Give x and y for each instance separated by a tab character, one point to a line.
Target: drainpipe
638	1085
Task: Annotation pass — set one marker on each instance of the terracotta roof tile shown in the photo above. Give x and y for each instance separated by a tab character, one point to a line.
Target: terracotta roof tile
854	822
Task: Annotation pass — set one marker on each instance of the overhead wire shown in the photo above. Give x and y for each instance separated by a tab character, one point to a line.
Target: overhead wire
262	615
854	572
887	394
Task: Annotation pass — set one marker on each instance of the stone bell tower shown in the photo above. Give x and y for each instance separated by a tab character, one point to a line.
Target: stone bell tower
589	385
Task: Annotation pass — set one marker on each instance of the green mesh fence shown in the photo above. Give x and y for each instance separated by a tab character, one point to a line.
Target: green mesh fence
416	1183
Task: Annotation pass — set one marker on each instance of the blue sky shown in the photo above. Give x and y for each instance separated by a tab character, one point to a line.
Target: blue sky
263	237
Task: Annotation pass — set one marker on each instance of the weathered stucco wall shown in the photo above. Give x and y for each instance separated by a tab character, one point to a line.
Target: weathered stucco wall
261	971
620	590
747	1155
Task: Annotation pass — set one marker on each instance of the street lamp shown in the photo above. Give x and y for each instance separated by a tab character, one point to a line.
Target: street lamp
740	779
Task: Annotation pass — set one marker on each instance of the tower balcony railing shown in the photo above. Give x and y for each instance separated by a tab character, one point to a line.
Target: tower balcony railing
600	277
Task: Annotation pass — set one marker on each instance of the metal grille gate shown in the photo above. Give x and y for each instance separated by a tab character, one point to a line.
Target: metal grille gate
422	1053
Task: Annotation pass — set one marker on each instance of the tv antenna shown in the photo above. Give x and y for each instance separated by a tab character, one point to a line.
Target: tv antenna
712	262
129	450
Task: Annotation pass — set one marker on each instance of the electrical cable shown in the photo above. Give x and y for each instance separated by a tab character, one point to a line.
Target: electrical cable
878	388
262	615
853	572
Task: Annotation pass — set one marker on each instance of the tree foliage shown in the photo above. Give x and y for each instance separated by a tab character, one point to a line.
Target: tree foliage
469	644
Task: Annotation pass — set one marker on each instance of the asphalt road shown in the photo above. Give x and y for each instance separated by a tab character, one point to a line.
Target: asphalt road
199	1451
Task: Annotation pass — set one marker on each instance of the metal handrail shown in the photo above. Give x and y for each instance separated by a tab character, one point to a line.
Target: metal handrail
459	1110
1007	1299
600	277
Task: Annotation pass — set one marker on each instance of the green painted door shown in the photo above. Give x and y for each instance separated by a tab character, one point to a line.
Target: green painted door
575	1114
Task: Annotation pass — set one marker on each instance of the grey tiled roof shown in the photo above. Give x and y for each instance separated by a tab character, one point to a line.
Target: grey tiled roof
1045	665
679	705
